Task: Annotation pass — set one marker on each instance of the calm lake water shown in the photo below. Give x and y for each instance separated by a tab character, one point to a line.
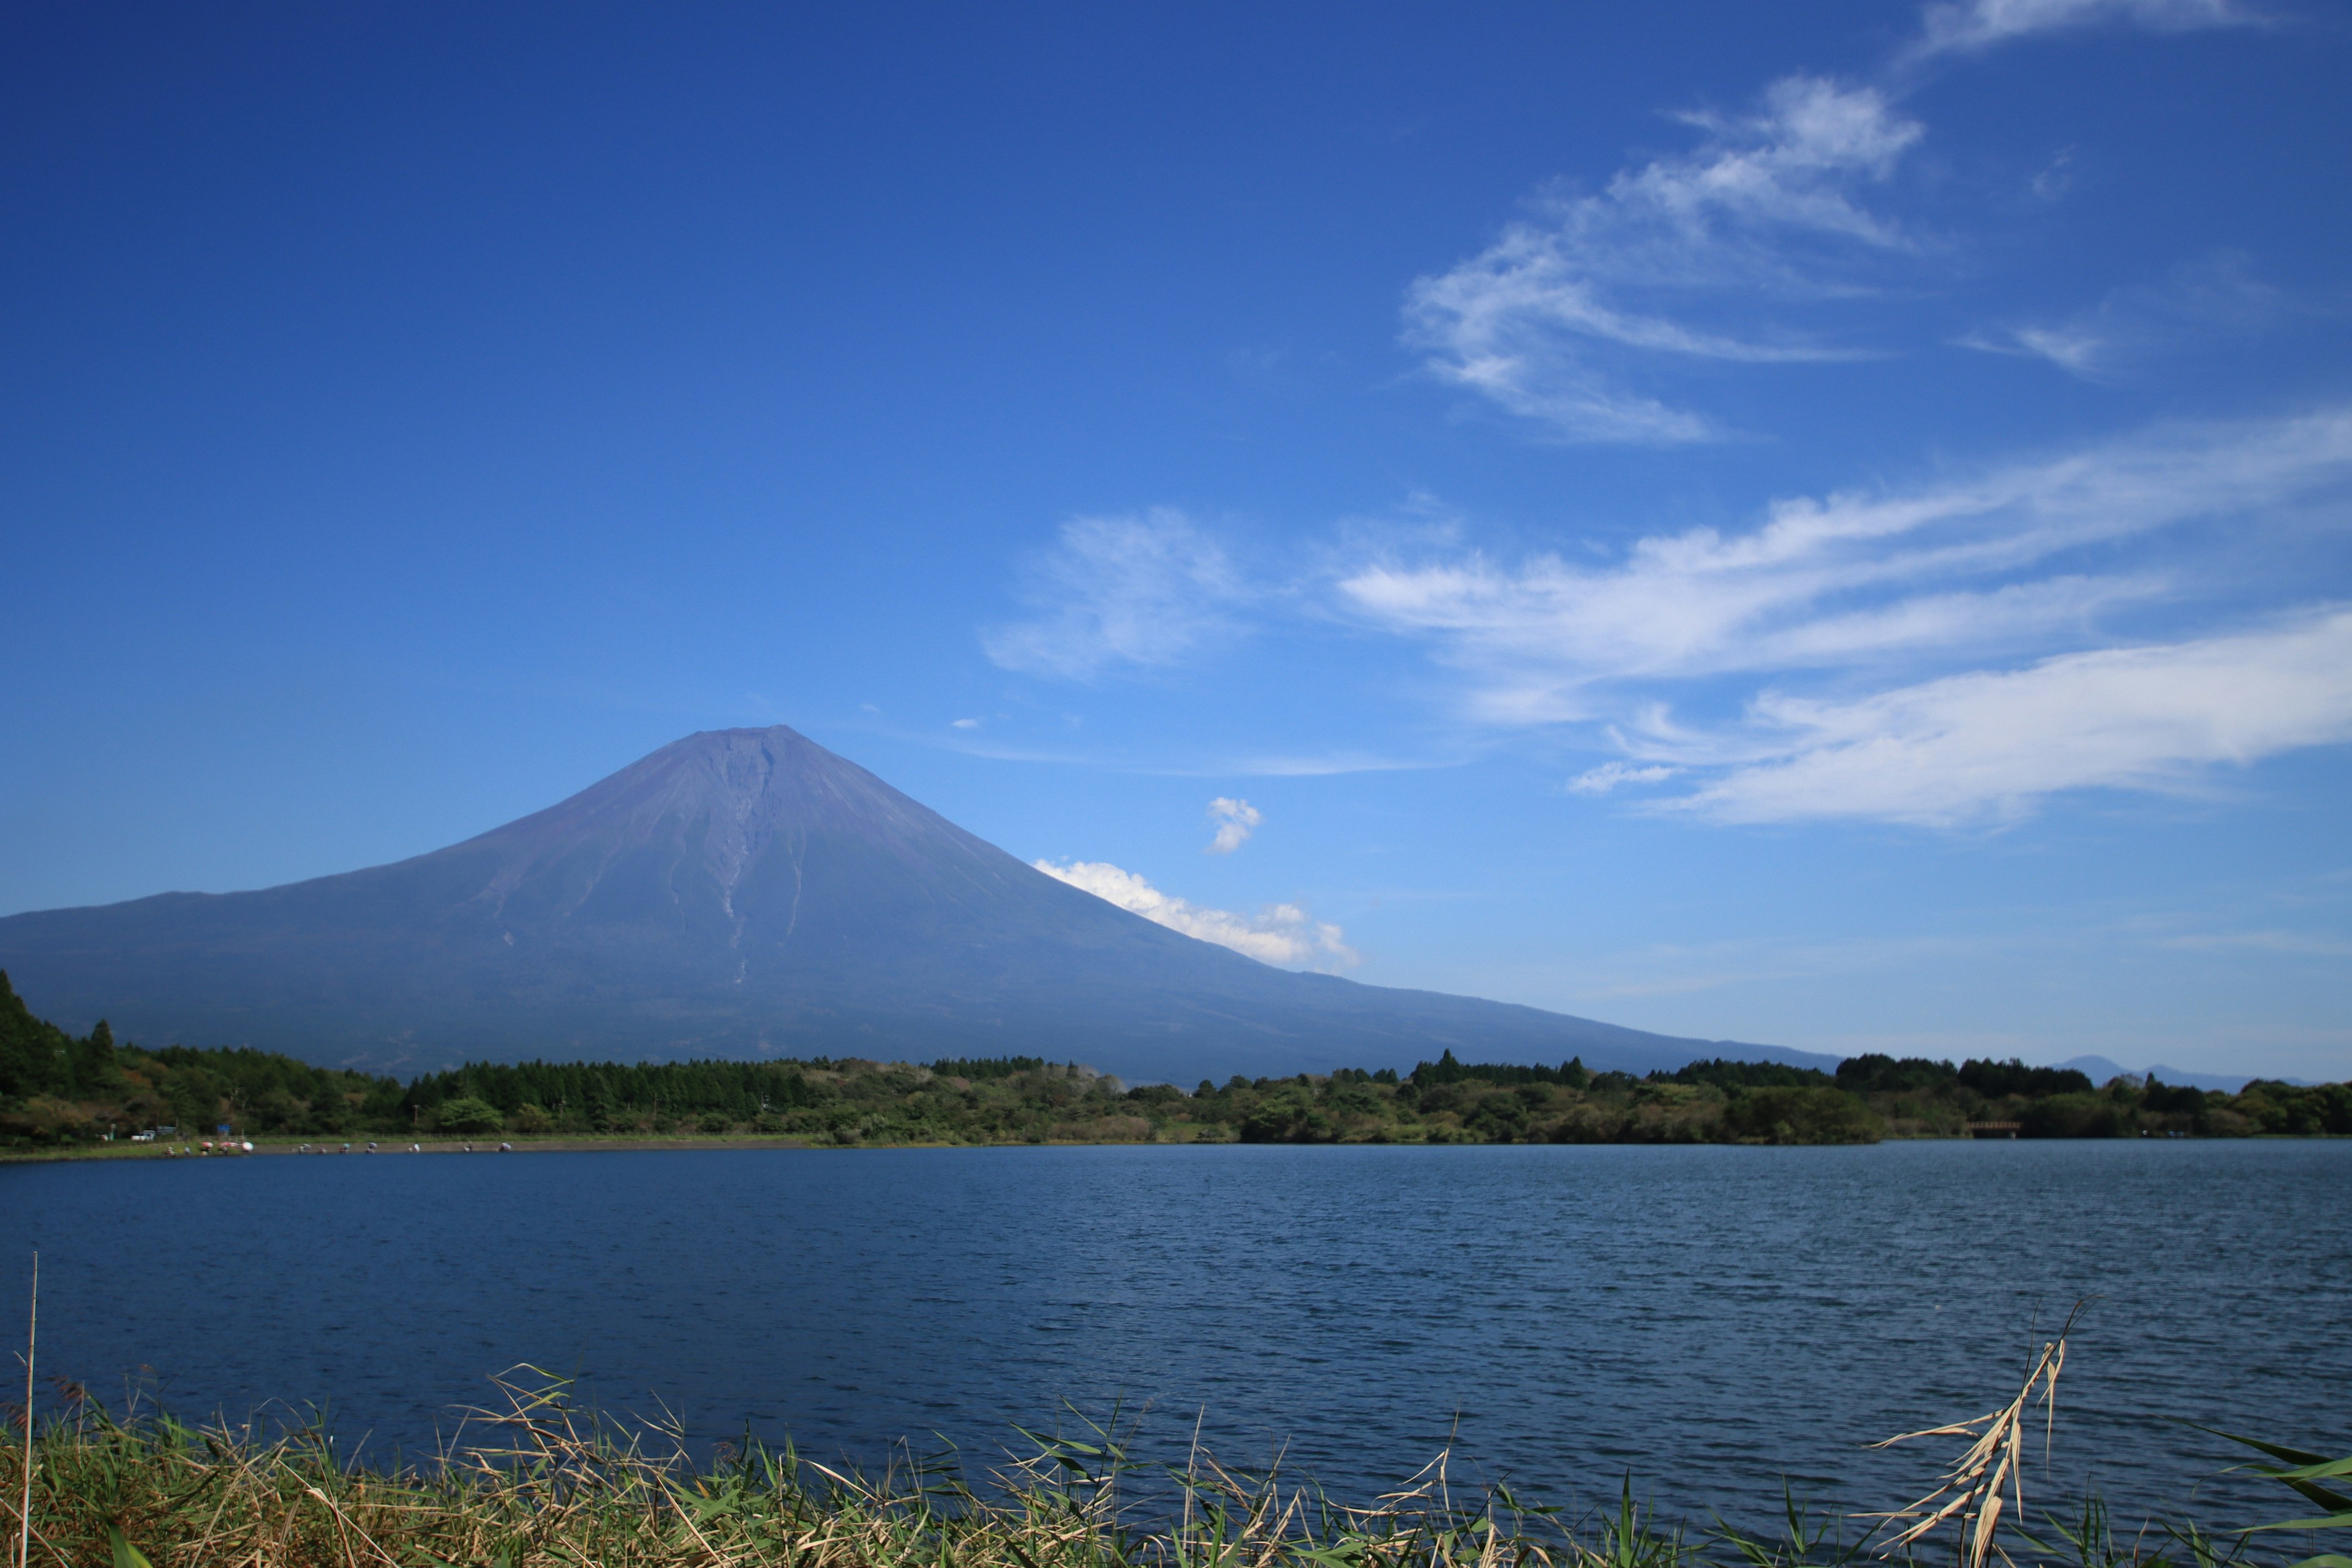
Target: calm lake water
1709	1319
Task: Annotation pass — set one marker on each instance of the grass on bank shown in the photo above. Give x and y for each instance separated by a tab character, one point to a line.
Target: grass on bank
540	1484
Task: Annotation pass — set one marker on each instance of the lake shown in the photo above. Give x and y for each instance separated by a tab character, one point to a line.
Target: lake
1708	1320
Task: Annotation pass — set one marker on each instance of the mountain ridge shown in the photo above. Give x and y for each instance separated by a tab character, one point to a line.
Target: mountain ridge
2100	1069
742	892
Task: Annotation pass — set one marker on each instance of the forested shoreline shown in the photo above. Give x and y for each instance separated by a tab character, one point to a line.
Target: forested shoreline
58	1092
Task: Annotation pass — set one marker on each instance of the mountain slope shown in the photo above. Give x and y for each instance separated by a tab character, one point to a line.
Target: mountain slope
740	893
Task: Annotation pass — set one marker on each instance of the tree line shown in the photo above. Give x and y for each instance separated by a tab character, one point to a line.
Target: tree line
58	1090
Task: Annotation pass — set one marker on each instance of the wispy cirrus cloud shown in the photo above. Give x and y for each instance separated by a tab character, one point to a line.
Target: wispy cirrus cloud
1282	934
1975	25
1844	581
1939	619
1987	745
1872	635
2288	943
2211	299
1889	593
1556	319
1580	315
1136	590
1610	775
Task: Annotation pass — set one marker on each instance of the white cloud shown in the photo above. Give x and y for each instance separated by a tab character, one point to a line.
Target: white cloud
2074	348
2211	299
1915	609
2056	178
1981	24
1545	322
1987	744
1235	820
1325	764
1278	935
1609	775
964	724
2293	943
1575	315
1841	583
1133	590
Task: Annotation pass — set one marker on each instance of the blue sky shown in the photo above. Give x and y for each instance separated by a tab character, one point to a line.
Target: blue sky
1823	524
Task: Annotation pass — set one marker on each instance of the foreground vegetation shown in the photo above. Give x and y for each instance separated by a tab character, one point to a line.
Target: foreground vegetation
58	1092
542	1485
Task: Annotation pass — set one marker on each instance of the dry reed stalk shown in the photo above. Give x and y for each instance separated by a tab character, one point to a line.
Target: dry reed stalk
32	1342
1972	1490
546	1486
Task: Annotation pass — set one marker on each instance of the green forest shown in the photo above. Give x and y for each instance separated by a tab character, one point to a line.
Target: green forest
58	1092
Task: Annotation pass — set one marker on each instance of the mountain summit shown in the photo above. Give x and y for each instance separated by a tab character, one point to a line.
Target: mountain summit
740	893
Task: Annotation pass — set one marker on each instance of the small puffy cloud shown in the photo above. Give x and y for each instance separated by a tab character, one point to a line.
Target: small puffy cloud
1235	820
1281	934
1609	775
1137	590
964	724
1973	25
1988	744
1550	321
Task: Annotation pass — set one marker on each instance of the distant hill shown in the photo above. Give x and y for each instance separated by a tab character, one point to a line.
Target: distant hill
743	893
2100	1069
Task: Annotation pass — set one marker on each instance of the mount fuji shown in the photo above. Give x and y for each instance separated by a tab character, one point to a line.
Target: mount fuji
742	893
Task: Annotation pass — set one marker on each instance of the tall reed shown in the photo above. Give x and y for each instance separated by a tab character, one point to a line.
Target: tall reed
538	1482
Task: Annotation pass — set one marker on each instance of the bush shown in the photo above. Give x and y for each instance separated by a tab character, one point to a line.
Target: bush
1499	1119
1287	1117
716	1121
44	1120
1800	1116
2075	1116
467	1115
2295	1109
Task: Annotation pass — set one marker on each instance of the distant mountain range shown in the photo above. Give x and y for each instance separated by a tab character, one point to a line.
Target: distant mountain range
744	893
2099	1070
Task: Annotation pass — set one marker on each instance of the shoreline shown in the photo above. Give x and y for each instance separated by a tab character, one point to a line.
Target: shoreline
313	1148
630	1143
